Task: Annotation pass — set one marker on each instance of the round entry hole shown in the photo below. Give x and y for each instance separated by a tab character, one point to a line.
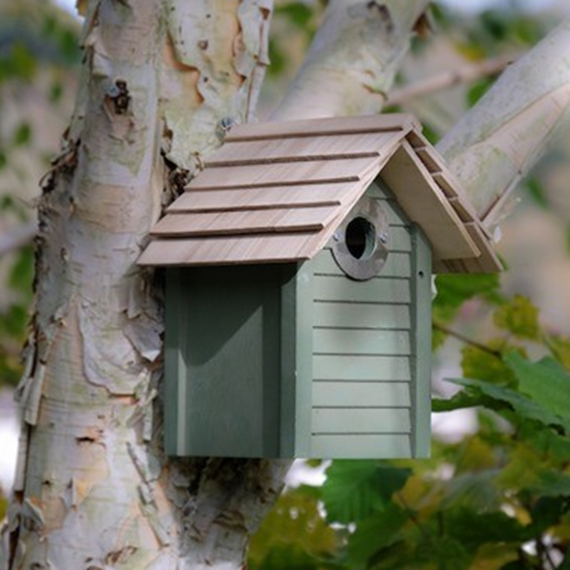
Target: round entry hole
360	238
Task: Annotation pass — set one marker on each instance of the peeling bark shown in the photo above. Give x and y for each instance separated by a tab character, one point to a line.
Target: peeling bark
94	489
163	82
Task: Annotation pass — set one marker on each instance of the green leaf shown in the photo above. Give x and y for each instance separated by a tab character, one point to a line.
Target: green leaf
545	381
548	443
454	290
552	484
477	491
560	348
23	134
277	57
298	13
22	273
519	317
461	400
523	406
445	553
547	512
3	505
477	90
355	489
484	365
473	529
293	532
285	558
536	190
376	533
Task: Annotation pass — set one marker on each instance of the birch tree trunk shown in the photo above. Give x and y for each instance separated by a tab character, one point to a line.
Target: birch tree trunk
162	82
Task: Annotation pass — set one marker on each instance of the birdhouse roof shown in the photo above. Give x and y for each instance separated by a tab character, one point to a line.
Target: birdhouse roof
276	192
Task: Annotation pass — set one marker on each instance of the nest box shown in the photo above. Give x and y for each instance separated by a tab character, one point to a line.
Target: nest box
298	268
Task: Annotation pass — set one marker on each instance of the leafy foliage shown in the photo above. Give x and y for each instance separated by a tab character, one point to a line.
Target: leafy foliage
497	499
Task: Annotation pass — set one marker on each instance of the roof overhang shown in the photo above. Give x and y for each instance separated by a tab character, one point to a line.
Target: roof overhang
276	192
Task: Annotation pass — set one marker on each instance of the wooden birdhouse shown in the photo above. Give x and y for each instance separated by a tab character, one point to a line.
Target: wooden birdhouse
298	267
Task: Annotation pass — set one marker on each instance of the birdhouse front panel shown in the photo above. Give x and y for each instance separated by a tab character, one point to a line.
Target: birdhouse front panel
227	351
298	293
371	369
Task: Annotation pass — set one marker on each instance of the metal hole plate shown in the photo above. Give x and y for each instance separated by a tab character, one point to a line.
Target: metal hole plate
371	263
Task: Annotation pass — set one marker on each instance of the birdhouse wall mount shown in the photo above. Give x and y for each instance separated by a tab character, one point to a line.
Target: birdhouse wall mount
299	267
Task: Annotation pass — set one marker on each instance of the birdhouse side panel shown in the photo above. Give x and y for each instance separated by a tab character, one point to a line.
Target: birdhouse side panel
363	359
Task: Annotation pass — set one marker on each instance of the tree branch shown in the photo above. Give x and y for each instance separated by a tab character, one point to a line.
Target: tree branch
465	74
353	59
466	340
494	146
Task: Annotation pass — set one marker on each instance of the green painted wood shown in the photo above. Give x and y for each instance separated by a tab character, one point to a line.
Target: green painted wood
361	394
296	363
175	368
363	316
371	420
421	342
387	446
355	341
232	353
367	368
332	288
397	265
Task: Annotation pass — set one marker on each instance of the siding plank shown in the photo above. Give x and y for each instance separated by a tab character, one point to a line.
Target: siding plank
341	315
366	368
361	394
343	420
328	288
355	341
387	446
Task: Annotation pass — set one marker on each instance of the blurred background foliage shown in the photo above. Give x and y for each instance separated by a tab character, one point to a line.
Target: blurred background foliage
496	492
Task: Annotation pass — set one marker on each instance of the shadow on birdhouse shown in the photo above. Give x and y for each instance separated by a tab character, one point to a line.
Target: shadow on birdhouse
298	301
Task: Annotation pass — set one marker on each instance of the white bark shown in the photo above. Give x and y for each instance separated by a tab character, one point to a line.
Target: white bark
494	146
353	60
162	82
93	488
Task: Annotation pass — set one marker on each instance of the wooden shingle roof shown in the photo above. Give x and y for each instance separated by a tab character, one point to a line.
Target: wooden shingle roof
276	192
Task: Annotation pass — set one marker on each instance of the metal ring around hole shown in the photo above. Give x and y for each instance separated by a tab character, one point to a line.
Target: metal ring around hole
374	253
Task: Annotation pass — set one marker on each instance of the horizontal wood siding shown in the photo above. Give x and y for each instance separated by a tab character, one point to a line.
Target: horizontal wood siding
341	288
360	315
387	446
370	368
384	420
363	352
361	395
358	341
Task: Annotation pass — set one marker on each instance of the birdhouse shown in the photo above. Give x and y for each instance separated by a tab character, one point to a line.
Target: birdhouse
298	290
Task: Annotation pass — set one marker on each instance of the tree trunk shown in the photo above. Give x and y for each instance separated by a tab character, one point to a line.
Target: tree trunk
162	82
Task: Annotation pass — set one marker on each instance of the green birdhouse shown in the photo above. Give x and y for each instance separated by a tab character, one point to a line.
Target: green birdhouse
298	290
